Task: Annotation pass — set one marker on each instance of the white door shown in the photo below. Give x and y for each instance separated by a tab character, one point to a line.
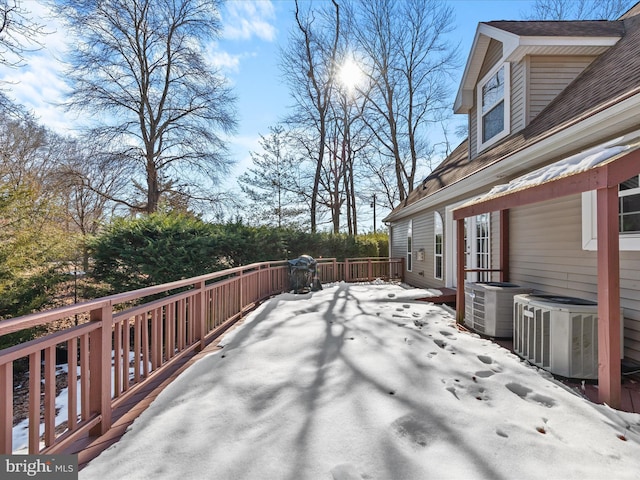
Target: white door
477	240
477	246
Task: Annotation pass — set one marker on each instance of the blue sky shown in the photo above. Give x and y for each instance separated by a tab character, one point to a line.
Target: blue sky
262	95
248	54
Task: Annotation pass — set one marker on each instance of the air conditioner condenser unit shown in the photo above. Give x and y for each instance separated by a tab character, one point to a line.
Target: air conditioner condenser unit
489	307
558	334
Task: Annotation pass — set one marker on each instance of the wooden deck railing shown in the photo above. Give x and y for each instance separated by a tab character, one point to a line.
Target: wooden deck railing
129	337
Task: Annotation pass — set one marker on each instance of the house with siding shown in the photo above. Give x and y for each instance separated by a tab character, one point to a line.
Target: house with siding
545	191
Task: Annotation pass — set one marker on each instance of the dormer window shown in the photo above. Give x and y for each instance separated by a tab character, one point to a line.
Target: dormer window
493	106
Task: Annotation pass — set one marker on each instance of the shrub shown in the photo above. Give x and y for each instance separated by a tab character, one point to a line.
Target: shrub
160	248
154	249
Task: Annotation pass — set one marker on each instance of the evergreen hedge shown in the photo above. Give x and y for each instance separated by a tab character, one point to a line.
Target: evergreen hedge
160	248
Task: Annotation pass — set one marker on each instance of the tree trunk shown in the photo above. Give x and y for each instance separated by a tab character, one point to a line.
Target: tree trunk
153	188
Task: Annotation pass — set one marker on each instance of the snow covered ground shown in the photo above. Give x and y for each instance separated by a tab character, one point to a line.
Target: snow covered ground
365	382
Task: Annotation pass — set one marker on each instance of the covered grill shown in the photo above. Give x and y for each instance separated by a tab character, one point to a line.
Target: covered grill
303	274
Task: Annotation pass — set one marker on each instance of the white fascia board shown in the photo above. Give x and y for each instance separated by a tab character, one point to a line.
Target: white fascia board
474	63
569	41
567	140
527	45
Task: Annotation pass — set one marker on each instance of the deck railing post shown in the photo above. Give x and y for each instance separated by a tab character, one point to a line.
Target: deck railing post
347	272
201	314
6	407
100	369
241	292
369	270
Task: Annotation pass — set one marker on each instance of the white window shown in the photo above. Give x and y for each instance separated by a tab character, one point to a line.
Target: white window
409	245
629	215
629	192
494	112
438	245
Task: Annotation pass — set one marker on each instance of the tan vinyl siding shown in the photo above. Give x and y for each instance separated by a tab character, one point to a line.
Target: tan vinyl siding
398	239
473	130
518	96
423	231
493	56
629	288
422	225
547	255
549	75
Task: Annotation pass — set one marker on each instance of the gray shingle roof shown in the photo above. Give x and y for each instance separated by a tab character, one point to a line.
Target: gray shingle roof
585	28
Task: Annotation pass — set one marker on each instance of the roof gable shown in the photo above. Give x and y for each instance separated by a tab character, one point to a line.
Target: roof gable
611	79
520	38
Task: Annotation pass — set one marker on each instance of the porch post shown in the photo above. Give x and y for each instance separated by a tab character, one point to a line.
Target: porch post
100	368
609	378
504	245
460	270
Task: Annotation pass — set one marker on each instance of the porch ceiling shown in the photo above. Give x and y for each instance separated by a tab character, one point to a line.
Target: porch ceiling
604	165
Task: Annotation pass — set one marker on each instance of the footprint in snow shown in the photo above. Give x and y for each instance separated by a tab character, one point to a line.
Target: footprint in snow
346	471
485	359
415	430
501	433
527	394
484	373
457	388
391	295
452	390
479	393
440	343
447	334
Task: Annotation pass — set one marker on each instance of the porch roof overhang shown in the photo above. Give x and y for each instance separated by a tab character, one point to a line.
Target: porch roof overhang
603	166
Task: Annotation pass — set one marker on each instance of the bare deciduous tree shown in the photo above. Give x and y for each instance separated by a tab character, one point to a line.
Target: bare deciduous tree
408	60
579	9
18	32
309	67
139	69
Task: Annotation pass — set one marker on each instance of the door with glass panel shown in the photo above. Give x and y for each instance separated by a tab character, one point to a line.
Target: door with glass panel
477	240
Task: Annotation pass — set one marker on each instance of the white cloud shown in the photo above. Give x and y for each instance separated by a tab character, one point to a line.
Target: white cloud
40	85
244	20
241	147
224	60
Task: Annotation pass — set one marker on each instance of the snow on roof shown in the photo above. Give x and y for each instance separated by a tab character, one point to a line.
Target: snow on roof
578	163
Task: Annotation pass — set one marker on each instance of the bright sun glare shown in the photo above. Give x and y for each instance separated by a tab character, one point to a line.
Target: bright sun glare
350	74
